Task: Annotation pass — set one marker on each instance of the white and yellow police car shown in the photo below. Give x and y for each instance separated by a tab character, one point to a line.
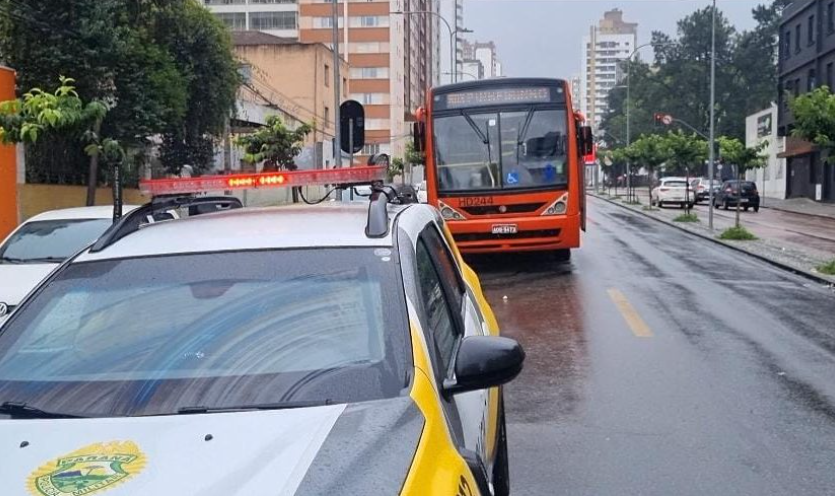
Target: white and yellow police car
338	349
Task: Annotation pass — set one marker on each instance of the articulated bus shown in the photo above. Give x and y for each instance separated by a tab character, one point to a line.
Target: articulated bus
504	164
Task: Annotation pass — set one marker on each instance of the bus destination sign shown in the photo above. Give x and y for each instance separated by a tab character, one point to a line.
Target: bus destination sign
498	96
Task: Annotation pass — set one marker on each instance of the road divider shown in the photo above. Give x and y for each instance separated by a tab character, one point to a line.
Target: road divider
636	324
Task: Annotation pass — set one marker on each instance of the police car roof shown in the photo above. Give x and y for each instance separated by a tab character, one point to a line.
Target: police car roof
327	225
80	213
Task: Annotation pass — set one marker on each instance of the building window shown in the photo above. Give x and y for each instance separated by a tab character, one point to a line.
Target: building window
377	124
810	35
829	75
369	73
264	21
812	80
797	38
830	18
325	22
371	98
269	2
787	41
327	116
327	76
797	87
370	149
368	21
224	2
235	21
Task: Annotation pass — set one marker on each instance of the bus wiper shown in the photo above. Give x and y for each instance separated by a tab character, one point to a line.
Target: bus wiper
25	411
285	405
485	138
523	133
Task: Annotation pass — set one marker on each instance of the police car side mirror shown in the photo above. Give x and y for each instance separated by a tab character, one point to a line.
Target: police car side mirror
485	362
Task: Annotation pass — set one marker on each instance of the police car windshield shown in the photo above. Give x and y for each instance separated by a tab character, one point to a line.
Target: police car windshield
151	336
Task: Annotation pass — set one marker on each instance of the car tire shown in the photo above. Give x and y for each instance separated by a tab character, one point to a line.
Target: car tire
746	208
660	204
562	255
501	467
727	206
756	209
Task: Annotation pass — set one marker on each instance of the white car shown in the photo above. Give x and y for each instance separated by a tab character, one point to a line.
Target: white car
43	242
422	193
673	190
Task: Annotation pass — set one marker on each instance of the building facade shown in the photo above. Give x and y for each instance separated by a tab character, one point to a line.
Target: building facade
276	17
606	46
761	127
807	60
485	54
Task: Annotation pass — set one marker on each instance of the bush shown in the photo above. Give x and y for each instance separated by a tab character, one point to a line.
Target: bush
737	234
827	268
686	218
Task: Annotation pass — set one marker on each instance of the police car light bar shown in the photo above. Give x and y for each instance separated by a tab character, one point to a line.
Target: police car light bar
348	176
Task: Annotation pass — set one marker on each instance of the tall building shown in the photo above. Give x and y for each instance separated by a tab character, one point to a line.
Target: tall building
807	60
453	13
278	17
485	54
576	85
608	44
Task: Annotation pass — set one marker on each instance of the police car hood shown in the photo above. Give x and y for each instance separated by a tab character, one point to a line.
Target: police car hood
356	449
16	280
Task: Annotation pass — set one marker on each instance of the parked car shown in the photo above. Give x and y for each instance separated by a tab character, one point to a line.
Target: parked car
422	192
729	195
701	188
673	190
42	243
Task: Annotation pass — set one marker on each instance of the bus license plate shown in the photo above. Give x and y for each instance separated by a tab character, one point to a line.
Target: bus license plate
505	229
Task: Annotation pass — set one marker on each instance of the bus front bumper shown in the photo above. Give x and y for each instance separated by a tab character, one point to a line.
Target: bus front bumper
532	234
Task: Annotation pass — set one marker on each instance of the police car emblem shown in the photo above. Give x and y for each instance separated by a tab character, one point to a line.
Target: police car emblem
4	309
89	470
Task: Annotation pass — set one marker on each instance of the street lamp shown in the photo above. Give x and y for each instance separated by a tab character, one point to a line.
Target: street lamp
629	106
712	157
453	34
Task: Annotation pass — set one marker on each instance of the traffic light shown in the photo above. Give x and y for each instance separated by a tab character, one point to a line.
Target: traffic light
661	118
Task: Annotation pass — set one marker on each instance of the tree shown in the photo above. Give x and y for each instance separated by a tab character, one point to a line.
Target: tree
736	153
686	152
614	161
651	152
163	67
38	112
274	144
814	114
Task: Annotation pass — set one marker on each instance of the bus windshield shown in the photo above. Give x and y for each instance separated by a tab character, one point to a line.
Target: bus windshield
501	150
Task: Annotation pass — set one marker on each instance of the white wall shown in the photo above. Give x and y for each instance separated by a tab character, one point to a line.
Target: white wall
760	127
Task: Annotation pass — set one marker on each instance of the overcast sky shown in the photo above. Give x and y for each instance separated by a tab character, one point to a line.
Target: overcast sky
543	37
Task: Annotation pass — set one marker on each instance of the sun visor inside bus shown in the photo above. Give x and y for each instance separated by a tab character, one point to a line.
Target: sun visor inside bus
502	95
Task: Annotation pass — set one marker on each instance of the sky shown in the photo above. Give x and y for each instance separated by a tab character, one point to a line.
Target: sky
544	37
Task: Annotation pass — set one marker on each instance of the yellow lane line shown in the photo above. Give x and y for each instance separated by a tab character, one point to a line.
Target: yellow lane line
636	323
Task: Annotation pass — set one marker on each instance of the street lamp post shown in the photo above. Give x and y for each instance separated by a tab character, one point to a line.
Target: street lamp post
712	157
453	34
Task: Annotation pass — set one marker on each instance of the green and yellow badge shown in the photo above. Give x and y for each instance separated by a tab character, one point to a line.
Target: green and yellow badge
89	470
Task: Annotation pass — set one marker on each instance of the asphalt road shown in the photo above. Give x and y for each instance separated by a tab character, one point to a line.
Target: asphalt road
662	364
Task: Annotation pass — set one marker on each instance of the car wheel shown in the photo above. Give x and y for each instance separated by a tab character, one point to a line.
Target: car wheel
660	204
501	467
746	208
562	255
756	209
727	205
692	205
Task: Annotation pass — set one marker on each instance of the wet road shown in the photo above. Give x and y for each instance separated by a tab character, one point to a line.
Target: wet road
649	375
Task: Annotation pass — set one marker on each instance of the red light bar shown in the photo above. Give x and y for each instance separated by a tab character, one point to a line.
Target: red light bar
352	175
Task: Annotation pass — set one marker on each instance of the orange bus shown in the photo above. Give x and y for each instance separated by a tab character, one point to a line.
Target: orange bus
504	164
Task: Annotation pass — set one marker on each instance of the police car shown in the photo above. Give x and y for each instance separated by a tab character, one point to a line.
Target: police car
337	349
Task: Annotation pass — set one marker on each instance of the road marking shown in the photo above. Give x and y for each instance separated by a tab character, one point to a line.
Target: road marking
639	328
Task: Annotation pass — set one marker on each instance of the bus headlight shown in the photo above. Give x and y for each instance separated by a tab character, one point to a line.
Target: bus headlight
559	207
449	213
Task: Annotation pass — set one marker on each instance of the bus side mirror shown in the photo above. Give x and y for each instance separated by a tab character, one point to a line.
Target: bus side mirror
586	140
419	136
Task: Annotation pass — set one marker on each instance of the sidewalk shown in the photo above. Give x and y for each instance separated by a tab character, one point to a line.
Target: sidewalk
801	247
801	206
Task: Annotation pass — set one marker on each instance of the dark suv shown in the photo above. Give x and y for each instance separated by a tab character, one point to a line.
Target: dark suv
729	195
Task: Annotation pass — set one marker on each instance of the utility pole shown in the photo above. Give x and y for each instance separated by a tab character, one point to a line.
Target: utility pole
712	158
337	80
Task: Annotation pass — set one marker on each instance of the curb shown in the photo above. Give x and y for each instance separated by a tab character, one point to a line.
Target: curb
780	265
818	216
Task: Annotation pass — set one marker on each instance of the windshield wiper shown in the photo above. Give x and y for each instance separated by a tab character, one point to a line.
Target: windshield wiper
12	260
285	405
523	133
23	410
485	139
45	260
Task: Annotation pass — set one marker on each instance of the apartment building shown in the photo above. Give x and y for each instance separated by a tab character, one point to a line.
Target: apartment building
486	55
392	58
607	45
807	60
276	17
